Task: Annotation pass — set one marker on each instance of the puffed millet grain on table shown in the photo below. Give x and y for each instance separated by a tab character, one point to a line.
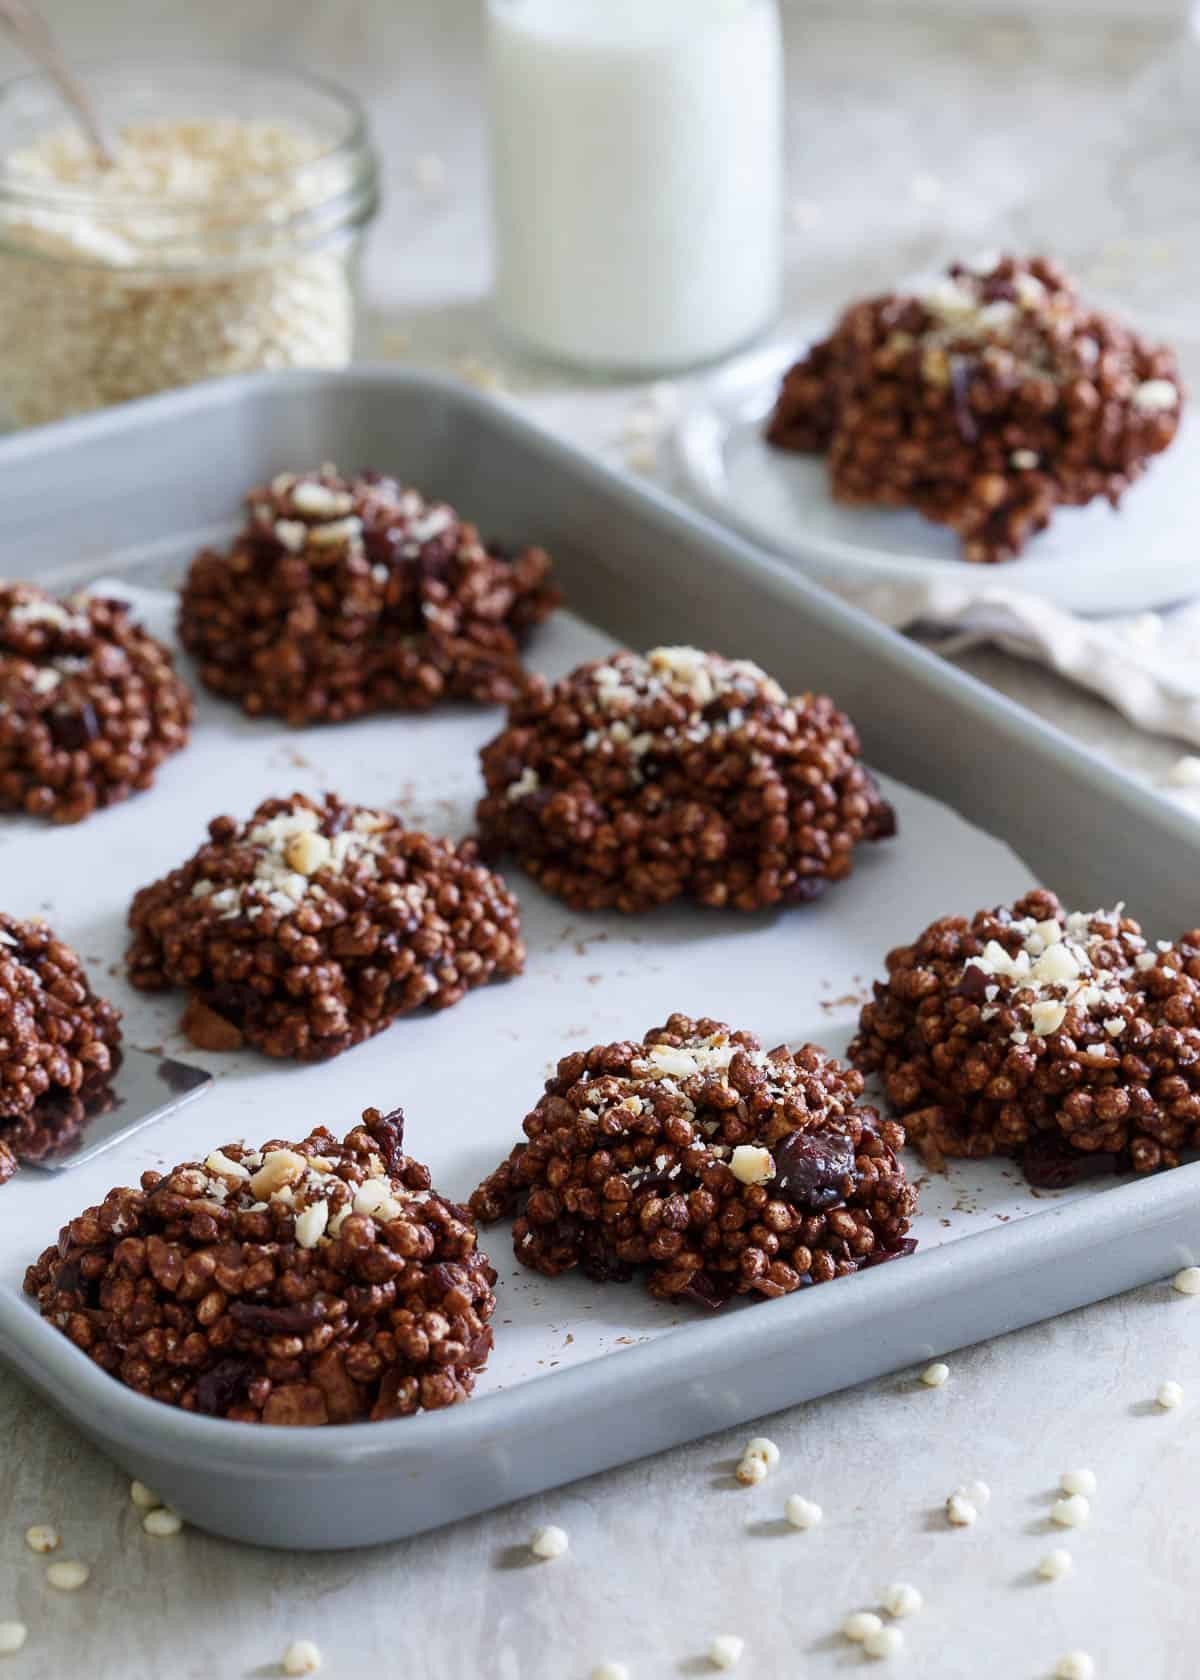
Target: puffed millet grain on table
67	1576
802	1513
883	1642
1187	1281
1055	1564
42	1537
960	1512
12	1638
933	1376
902	1599
99	308
1072	1511
549	1542
1078	1481
761	1446
610	1671
859	1624
726	1650
978	1494
1169	1396
751	1471
162	1523
143	1497
301	1657
1076	1665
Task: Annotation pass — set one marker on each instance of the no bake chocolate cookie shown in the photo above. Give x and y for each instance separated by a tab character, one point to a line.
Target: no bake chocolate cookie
985	403
715	1169
340	597
316	924
90	704
59	1044
1064	1040
638	780
300	1283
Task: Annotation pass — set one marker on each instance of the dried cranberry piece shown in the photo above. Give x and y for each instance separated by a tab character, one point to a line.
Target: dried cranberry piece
974	984
960	389
73	727
388	1132
903	1247
276	1321
814	1169
804	890
1050	1163
704	1291
223	1385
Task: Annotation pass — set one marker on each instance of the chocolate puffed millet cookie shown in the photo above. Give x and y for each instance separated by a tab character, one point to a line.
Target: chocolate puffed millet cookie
90	704
1061	1039
300	1283
59	1044
716	1168
638	780
340	597
985	403
316	924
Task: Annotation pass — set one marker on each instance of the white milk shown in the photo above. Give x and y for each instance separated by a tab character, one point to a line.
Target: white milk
637	166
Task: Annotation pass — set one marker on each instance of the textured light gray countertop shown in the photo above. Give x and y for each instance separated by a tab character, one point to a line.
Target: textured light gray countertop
911	138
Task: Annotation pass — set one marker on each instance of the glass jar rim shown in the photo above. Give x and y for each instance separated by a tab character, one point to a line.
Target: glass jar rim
333	189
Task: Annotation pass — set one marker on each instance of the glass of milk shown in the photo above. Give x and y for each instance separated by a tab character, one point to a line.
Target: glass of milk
637	177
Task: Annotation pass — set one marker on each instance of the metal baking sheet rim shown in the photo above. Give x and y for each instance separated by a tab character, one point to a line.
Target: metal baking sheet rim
399	1478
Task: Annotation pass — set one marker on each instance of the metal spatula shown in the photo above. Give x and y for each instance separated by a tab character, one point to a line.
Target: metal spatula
146	1088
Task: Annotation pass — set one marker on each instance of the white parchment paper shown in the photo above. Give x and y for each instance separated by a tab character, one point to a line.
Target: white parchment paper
467	1077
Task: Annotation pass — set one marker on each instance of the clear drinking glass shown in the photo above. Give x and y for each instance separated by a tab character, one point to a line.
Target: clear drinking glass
116	287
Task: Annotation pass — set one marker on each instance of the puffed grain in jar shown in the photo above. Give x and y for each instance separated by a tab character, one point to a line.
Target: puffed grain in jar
224	237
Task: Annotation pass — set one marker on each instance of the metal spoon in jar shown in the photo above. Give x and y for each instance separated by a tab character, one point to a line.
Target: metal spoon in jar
32	31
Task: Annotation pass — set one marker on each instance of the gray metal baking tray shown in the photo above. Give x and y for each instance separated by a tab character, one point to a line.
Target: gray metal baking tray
129	492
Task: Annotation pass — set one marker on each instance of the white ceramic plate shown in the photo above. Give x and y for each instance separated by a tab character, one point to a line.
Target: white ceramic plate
1090	560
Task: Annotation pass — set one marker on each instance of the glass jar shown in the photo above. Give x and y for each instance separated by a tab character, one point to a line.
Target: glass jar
637	166
225	239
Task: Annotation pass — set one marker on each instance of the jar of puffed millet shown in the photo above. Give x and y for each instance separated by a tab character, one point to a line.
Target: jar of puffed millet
223	238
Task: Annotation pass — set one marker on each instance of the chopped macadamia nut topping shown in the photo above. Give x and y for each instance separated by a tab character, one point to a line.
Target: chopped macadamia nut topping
933	1376
1187	1282
802	1513
1072	1511
1055	1564
12	1638
549	1542
859	1624
301	1657
68	1576
42	1537
752	1164
726	1650
162	1523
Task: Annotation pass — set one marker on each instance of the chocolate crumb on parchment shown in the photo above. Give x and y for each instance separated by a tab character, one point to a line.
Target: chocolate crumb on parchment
985	403
638	780
300	1283
711	1168
90	704
316	924
1063	1039
59	1044
341	597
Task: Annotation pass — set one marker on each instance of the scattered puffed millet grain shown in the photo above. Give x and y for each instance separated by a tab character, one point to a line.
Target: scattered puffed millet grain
12	1638
859	1624
884	1642
1076	1665
301	1657
143	1497
1169	1396
42	1537
902	1599
1078	1481
1187	1282
162	1523
726	1650
933	1376
1055	1564
802	1513
1070	1512
960	1512
67	1576
549	1542
976	1493
751	1471
762	1447
610	1671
